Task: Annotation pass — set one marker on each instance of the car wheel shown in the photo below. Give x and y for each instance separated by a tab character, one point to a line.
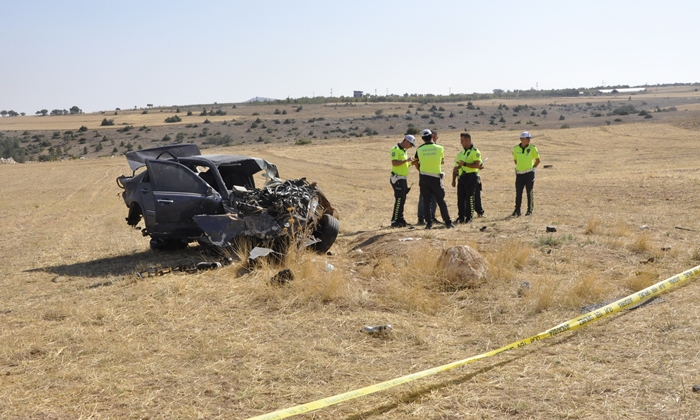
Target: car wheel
160	244
327	232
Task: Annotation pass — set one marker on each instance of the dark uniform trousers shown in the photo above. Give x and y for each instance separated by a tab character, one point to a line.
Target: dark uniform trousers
400	192
421	215
466	187
477	196
526	181
431	186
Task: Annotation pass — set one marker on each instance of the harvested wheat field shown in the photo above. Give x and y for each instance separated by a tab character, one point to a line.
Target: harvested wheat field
83	336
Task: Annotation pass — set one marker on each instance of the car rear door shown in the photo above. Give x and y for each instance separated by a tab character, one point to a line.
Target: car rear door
180	195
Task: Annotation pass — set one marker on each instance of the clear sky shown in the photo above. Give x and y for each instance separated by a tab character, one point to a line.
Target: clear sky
100	55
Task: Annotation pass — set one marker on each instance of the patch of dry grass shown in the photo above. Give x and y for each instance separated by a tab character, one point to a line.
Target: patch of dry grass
511	256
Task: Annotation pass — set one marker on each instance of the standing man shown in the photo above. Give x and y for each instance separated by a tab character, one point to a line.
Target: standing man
430	159
399	173
467	165
526	158
422	218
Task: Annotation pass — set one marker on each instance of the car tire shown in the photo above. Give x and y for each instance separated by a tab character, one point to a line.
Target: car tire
160	244
328	230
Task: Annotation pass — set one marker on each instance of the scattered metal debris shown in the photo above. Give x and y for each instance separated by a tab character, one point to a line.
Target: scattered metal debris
551	229
682	228
156	271
666	248
524	288
96	285
378	329
696	388
259	252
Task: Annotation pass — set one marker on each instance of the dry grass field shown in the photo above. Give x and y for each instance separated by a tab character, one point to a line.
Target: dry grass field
82	336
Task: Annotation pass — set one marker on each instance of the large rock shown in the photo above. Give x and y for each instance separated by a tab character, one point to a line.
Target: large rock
462	266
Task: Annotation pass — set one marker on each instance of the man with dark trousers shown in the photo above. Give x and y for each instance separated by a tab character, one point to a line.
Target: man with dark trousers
430	159
433	204
399	173
467	165
526	158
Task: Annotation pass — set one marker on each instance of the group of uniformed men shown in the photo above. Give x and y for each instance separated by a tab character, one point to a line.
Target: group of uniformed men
429	159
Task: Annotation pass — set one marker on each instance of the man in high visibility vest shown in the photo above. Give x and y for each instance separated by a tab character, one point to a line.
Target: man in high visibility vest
526	158
467	165
399	174
430	159
422	218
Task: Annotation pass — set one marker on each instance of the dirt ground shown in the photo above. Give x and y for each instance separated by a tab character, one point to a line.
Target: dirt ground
86	332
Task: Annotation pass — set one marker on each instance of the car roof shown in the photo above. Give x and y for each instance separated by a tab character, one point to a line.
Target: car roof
189	152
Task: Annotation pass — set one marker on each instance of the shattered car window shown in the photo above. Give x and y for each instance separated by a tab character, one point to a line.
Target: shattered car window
168	176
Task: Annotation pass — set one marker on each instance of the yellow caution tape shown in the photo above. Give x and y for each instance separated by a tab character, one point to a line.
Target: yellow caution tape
570	325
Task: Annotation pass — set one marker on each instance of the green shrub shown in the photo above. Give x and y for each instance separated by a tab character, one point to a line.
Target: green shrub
173	119
302	142
105	121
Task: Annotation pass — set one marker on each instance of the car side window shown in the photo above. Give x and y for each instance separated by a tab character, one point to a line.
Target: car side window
171	176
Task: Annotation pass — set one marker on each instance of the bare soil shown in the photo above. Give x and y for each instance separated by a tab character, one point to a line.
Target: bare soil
86	332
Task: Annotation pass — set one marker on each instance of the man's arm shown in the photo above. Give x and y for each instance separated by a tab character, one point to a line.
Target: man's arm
537	162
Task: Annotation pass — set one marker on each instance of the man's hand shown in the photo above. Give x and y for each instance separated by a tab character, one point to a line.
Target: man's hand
454	183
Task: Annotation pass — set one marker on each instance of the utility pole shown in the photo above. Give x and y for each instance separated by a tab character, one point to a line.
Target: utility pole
331	92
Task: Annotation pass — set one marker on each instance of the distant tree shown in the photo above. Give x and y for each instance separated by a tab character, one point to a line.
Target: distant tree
75	110
3	113
12	113
105	121
82	129
85	150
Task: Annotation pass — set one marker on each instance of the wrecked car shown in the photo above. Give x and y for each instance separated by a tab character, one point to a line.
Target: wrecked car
184	196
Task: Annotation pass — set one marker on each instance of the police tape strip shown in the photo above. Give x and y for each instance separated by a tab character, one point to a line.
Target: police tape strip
570	325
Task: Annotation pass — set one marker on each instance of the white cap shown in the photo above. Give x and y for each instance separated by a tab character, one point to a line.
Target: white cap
426	132
410	139
525	135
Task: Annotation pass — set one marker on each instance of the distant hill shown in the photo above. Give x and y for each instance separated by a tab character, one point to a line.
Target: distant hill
260	99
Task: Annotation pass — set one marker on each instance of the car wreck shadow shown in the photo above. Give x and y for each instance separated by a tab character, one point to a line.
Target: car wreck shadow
128	264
